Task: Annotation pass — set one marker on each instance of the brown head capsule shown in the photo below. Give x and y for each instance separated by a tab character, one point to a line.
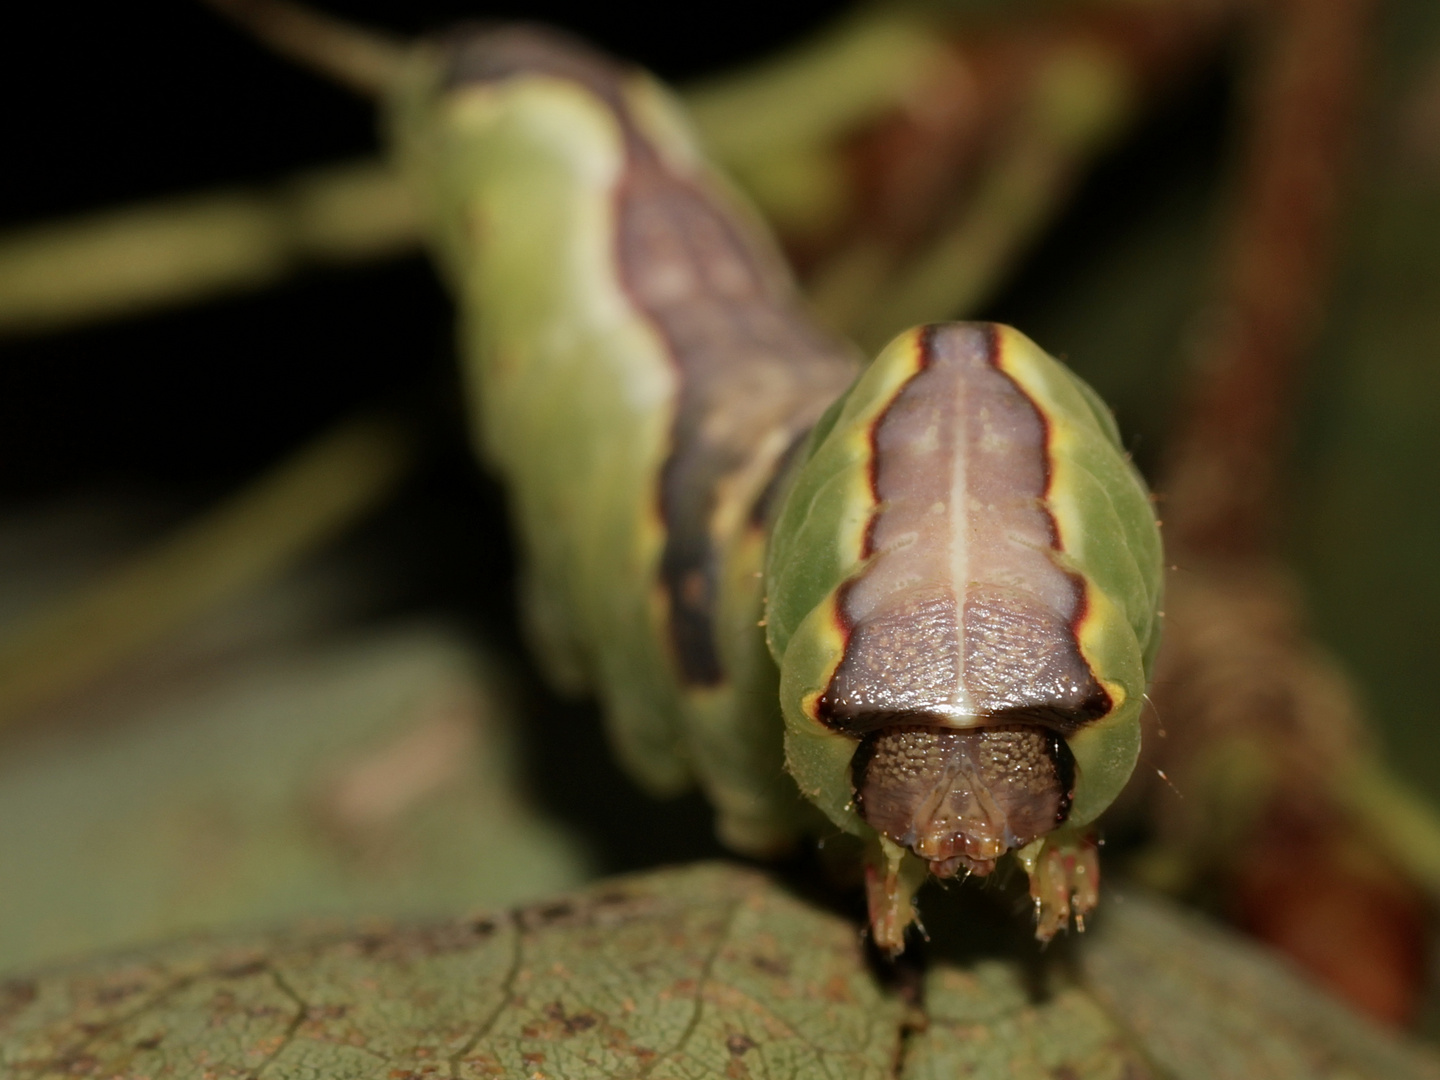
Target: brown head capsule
961	799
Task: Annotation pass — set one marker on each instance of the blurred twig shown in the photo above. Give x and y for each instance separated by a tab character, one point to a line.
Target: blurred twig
253	536
183	250
1222	473
359	58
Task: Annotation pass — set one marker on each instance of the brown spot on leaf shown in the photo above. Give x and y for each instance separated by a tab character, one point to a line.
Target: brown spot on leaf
243	970
607	910
570	1025
109	995
410	943
15	994
772	965
545	916
370	944
837	989
617	1041
558	1025
739	1044
552	913
485	1064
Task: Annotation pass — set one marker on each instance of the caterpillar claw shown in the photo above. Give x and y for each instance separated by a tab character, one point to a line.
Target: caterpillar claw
892	877
1064	881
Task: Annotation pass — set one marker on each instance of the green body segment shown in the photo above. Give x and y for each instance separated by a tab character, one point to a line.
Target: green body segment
1106	540
572	386
574	217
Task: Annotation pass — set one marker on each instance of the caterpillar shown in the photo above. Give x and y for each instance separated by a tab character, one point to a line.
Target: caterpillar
915	599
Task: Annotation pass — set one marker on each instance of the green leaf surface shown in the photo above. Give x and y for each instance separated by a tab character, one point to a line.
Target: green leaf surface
696	972
1206	1003
708	971
987	1021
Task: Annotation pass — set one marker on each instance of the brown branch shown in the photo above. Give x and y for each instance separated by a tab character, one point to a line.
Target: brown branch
1222	476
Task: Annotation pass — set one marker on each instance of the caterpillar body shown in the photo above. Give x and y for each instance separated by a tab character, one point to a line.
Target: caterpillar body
921	593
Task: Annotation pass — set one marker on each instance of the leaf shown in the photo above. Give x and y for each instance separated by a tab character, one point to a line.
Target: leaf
984	1021
700	972
1208	1004
706	971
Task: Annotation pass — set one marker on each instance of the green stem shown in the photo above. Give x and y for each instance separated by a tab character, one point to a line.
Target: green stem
177	251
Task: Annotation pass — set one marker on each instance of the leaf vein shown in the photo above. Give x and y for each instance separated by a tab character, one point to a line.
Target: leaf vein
507	989
301	1011
707	970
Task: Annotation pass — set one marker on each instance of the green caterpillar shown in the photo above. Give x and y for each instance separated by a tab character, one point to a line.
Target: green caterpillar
956	568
